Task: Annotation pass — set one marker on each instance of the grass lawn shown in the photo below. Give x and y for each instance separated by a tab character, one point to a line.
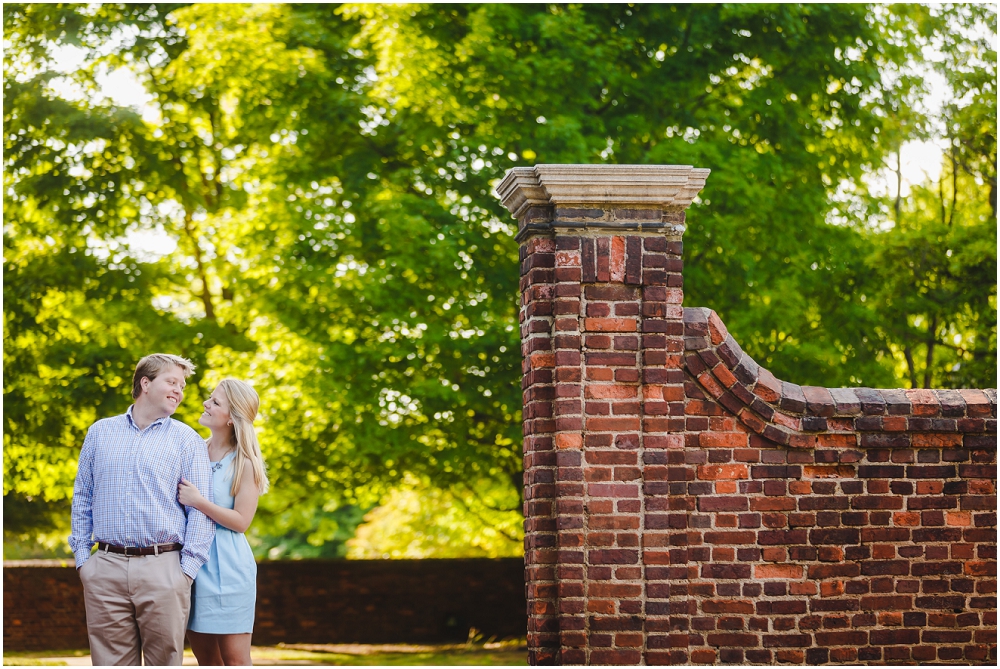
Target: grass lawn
506	653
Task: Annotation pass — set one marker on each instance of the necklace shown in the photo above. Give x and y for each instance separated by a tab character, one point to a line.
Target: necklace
216	466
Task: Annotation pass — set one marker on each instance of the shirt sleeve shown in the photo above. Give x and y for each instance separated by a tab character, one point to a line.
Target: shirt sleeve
81	538
200	530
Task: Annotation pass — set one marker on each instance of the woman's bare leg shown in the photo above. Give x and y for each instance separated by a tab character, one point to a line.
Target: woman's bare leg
206	648
235	649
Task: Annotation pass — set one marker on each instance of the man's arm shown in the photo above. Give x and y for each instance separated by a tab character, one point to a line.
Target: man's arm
81	539
200	530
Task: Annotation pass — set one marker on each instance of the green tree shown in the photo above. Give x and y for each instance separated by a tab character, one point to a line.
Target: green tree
419	520
935	268
936	274
326	175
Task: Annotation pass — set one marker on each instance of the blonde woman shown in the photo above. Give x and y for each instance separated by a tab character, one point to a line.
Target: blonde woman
225	591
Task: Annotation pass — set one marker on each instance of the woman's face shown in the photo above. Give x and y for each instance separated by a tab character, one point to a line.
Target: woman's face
216	415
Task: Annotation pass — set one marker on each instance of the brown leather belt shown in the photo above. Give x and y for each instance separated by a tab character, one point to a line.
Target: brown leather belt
135	551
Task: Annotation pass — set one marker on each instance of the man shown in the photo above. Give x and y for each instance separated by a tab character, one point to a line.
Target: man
137	586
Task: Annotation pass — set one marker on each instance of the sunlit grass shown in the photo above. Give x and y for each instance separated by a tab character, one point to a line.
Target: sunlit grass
507	653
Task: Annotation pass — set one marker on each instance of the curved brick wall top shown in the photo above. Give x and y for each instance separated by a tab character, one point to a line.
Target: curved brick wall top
809	416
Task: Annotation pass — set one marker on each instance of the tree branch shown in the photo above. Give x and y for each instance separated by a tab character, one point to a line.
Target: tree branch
206	295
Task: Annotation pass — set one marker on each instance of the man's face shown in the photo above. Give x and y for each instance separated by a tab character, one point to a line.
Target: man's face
166	391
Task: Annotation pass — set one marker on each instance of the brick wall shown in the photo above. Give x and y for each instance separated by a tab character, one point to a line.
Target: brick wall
43	606
684	506
308	601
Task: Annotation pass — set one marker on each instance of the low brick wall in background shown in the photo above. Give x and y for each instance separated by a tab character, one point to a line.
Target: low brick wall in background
309	601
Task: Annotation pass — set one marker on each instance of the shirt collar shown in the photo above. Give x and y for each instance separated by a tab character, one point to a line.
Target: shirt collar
131	421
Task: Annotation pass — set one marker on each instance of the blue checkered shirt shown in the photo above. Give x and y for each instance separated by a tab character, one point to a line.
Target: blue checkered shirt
126	489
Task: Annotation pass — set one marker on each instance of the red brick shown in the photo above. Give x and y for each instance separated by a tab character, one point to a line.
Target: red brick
628	640
778	571
610	391
772	504
569	440
788	656
614	657
605	606
599	374
787	640
831	588
723	439
613	424
836	440
733	640
976	402
828	471
745	607
703	656
717	472
894	637
958	518
936	440
612	490
981	567
610	324
709	383
889	618
806	588
617	260
892	602
730	538
724	376
767	388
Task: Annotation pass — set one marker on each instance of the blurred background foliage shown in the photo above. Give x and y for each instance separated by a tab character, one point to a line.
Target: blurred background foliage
301	196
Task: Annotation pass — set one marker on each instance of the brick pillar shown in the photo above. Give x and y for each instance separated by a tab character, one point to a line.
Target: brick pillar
602	338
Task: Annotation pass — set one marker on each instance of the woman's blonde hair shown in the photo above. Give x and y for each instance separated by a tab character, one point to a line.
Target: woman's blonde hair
243	406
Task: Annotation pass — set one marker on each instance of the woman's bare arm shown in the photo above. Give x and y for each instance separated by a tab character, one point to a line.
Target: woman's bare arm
238	518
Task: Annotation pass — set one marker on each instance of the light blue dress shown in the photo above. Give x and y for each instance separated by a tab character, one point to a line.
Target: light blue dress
225	590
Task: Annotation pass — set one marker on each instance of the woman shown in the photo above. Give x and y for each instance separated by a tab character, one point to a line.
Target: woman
225	591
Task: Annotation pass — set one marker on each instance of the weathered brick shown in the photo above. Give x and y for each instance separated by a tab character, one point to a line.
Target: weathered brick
786	571
894	637
891	602
854	638
835	536
885	500
733	639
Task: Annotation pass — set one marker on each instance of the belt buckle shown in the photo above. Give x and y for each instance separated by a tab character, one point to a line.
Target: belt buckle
129	553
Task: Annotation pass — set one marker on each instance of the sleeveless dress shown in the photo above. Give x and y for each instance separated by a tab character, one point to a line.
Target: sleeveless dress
225	590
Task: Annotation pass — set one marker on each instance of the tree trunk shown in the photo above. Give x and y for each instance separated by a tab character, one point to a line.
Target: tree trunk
954	188
206	295
899	184
931	340
908	352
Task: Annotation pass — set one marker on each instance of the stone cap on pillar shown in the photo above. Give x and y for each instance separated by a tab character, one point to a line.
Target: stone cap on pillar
649	198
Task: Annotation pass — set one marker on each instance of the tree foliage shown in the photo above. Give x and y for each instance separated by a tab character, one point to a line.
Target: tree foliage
419	520
933	260
322	176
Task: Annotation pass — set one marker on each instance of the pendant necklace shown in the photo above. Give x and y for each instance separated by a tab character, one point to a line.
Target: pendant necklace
216	466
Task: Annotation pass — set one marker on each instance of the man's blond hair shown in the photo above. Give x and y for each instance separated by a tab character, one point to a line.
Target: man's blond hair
150	366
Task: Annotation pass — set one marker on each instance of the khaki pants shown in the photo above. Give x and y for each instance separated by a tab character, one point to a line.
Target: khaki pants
136	606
